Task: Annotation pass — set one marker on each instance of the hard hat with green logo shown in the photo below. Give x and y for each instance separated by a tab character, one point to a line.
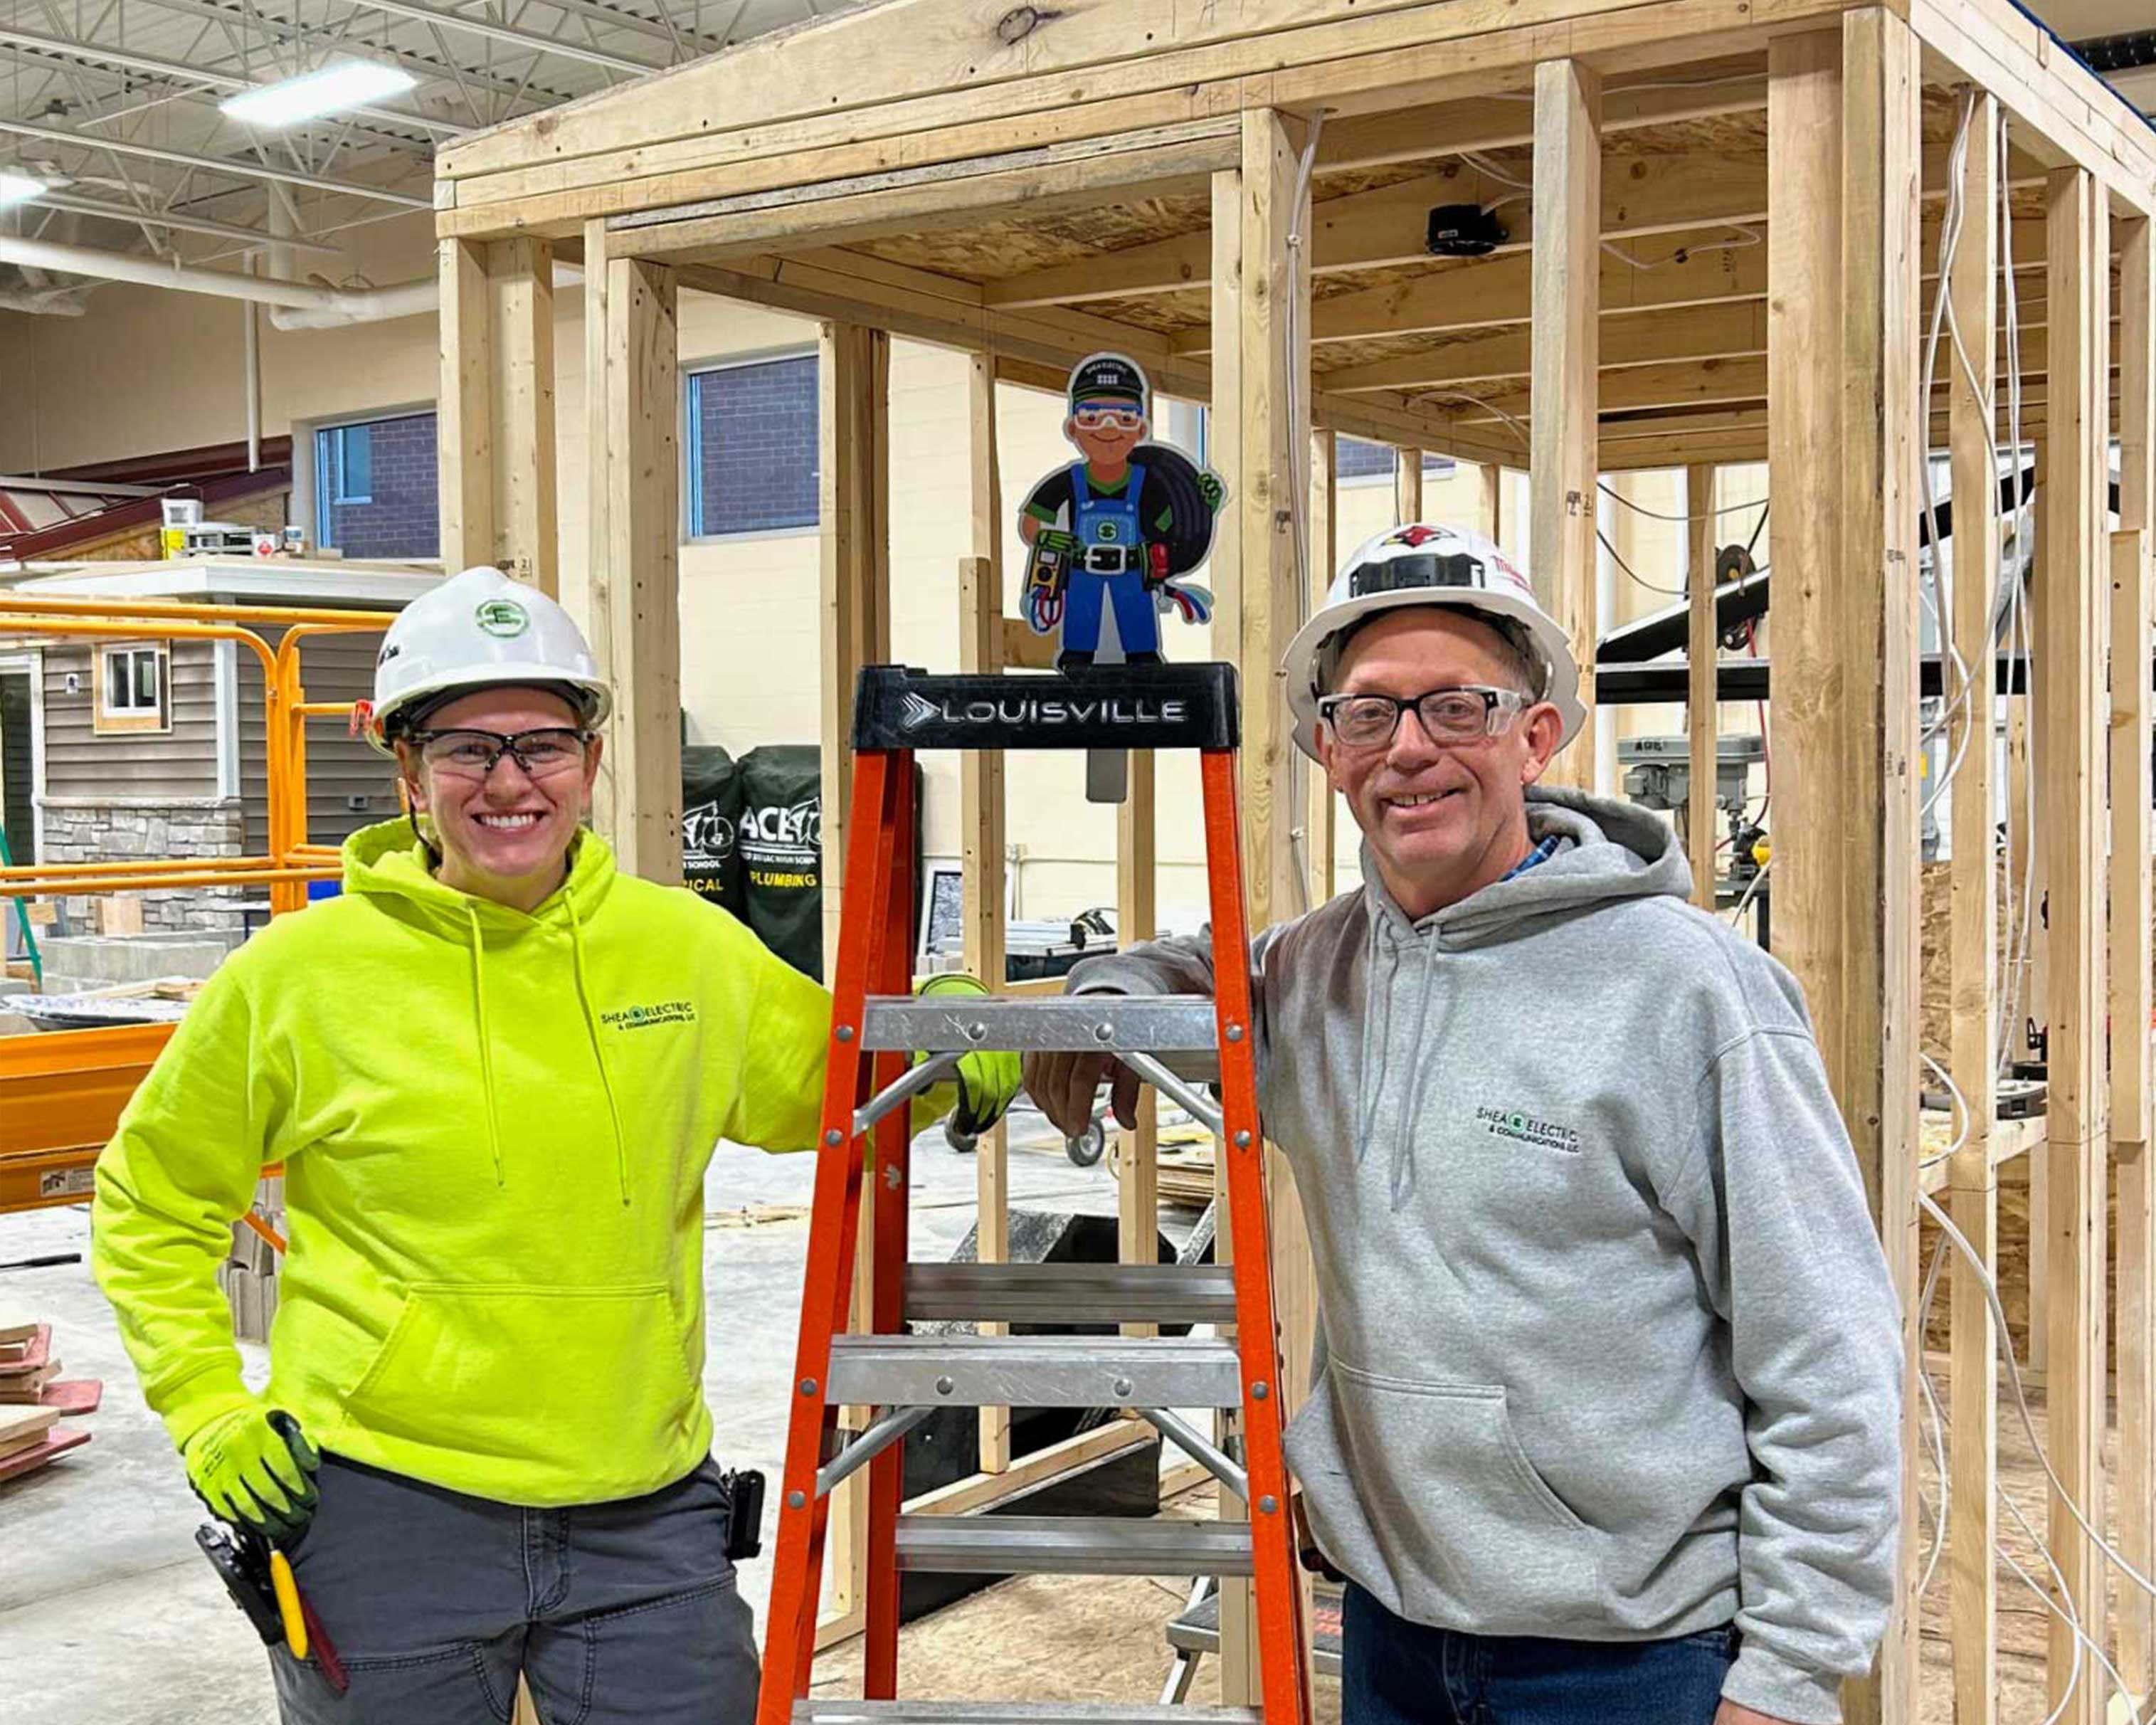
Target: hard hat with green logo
478	630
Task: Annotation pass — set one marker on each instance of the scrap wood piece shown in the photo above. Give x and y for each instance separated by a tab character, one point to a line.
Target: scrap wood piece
58	1443
22	1427
14	1332
26	1355
27	1388
74	1396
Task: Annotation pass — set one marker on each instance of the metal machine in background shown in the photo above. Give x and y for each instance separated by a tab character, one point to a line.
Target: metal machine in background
1658	775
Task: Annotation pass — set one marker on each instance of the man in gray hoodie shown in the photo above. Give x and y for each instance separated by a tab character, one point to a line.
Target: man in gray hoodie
1605	1425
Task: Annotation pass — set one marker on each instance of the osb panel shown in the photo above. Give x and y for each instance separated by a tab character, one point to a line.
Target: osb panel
1165	314
1366	350
1740	135
985	251
1345	182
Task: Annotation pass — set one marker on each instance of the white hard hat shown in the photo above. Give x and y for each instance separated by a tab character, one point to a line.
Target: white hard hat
480	629
1428	564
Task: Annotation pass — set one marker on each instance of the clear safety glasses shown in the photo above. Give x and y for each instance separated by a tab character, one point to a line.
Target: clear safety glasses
1467	713
547	753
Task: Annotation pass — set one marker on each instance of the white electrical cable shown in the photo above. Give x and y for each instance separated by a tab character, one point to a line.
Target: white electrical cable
1617	496
1944	1517
1751	887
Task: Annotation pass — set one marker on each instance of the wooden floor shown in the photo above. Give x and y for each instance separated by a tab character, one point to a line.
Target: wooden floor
1043	1637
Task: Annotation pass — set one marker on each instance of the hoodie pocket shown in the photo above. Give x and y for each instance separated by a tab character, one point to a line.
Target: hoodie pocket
519	1371
1471	1535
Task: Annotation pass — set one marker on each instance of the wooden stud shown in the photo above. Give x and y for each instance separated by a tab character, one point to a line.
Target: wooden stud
2131	792
464	463
1841	342
1702	654
1568	238
981	822
598	494
1319	805
1973	1381
1488	510
2068	666
1407	484
638	570
521	294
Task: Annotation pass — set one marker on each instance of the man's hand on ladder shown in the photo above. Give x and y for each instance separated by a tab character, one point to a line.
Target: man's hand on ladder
1062	1086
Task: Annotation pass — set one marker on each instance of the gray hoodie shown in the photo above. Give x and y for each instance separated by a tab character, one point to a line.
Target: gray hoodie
1609	1348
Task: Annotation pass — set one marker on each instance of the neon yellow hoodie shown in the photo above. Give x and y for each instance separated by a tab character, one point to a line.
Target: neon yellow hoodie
495	1128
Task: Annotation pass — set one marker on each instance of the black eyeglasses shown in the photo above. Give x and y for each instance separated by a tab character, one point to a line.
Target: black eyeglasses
1467	713
545	753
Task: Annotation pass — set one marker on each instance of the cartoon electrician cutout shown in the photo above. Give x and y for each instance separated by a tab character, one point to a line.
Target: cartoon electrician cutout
1117	531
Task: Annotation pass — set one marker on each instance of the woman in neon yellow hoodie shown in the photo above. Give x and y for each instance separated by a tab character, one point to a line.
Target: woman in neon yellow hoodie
495	1070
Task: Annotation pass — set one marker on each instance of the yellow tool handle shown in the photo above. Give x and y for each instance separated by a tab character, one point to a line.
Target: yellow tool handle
288	1603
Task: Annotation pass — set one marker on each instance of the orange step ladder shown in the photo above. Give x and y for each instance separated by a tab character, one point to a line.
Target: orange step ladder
878	1031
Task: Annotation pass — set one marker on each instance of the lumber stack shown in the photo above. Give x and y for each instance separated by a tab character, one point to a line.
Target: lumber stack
34	1398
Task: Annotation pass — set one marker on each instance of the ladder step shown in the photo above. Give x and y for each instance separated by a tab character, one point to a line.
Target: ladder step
1034	1372
1158	1023
1072	1545
831	1710
1071	1293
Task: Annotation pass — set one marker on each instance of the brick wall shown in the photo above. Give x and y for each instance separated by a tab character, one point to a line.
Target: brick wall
403	520
759	447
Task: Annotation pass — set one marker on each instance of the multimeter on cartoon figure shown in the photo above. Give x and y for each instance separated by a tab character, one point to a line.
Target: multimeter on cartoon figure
1119	529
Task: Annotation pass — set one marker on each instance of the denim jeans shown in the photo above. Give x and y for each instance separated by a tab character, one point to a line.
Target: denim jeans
435	1601
1394	1672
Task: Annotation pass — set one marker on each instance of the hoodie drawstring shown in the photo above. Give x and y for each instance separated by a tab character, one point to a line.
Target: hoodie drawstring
599	1047
1401	1175
486	1040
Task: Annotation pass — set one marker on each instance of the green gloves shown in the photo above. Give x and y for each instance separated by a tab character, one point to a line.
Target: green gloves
1056	539
988	1081
254	1469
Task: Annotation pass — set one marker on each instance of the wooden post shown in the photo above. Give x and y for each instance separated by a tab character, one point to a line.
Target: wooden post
854	376
2131	576
637	570
496	411
464	414
1320	861
1973	1386
2068	674
1486	510
1842	323
1568	238
598	547
1261	449
1407	484
981	810
1702	652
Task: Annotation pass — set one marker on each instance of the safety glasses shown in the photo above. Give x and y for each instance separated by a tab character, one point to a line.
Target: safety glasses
551	753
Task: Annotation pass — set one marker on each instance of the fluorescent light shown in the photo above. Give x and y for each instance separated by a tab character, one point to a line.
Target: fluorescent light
333	89
19	188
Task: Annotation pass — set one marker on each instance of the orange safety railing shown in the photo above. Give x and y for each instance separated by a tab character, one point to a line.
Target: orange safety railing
61	1093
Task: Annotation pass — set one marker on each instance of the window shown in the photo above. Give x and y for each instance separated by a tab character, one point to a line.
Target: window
752	447
350	454
1359	459
374	488
130	693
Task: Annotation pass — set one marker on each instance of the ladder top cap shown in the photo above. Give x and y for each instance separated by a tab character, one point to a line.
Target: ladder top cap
1111	706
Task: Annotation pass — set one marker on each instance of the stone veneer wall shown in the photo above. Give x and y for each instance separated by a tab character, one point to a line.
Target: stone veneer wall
81	829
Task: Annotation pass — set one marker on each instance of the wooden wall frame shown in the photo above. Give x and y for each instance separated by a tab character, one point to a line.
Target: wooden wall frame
1725	224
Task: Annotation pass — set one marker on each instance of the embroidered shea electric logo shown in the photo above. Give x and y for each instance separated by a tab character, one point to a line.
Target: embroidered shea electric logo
644	1018
1524	1128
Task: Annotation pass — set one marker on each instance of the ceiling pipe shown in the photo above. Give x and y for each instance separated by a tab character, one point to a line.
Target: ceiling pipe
53	302
231	166
310	307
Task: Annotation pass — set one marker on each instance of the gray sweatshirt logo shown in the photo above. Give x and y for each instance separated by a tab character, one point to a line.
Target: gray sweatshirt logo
1524	1128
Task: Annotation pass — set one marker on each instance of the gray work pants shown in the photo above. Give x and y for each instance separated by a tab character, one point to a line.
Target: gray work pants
434	1601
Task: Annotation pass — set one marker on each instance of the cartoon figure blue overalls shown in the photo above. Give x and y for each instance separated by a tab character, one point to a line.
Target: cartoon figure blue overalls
1100	529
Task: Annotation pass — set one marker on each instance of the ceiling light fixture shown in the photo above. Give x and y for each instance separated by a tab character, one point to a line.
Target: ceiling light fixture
332	90
19	188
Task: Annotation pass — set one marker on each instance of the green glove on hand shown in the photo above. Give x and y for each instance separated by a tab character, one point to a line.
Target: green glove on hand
254	1469
1055	539
988	1080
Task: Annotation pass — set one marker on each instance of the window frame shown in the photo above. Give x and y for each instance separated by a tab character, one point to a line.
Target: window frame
312	499
341	436
692	440
107	720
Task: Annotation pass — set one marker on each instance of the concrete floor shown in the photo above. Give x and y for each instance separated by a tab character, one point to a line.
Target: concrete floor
110	1616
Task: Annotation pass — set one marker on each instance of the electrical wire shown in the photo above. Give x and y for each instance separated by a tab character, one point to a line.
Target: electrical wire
1675	592
1298	496
1751	888
1700	515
